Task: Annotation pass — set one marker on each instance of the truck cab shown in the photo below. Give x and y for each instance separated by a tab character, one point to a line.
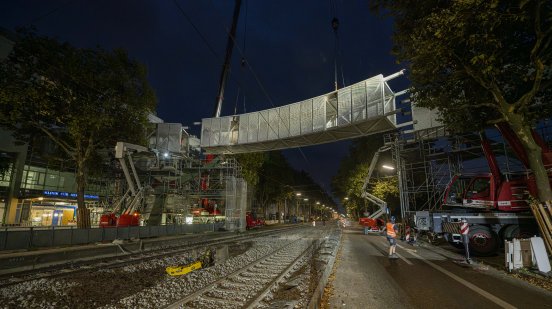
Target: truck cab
484	193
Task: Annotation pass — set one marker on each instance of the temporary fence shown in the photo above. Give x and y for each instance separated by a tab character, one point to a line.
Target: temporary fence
40	237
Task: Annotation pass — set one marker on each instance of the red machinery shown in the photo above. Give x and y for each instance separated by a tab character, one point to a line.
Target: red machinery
492	191
495	204
252	221
371	223
134	194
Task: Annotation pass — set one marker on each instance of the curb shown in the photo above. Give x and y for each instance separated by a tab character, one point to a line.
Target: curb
316	298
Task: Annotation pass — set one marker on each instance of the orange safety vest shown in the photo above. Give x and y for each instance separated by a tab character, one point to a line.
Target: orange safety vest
391	230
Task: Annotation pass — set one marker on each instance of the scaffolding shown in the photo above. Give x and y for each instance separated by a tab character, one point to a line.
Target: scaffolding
428	159
176	185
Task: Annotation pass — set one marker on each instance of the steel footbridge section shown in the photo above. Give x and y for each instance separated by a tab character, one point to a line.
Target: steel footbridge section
361	109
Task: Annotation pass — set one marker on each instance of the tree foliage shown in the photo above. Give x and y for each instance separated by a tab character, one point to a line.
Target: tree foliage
385	188
81	99
353	170
251	164
479	62
275	179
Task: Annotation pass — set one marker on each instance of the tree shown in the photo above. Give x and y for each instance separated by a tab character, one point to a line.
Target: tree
480	62
275	178
251	164
81	99
353	170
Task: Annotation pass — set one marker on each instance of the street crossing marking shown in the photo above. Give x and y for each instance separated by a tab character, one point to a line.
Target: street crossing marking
467	284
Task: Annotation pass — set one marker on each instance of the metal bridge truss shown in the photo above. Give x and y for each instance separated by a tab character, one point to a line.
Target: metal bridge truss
363	108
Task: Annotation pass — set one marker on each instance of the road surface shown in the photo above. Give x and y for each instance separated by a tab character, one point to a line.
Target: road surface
422	277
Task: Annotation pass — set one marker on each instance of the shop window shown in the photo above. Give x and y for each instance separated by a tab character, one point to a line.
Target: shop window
5	177
52	181
30	178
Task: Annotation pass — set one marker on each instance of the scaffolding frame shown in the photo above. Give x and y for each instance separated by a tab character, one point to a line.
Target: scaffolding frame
428	159
179	183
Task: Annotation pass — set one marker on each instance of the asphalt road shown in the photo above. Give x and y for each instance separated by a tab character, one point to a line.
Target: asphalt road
422	278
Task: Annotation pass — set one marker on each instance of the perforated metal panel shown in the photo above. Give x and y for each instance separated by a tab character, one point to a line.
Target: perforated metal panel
374	99
359	101
273	120
206	132
319	113
306	117
253	128
215	131
225	130
331	111
263	126
344	106
295	119
243	129
283	124
360	109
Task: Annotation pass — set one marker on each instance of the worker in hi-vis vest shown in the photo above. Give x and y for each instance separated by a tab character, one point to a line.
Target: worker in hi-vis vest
392	231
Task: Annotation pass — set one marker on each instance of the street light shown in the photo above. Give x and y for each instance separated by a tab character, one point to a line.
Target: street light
298	194
388	167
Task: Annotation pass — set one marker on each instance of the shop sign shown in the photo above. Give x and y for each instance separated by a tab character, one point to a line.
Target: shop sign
68	195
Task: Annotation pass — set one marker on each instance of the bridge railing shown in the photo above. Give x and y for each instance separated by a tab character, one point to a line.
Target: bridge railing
368	99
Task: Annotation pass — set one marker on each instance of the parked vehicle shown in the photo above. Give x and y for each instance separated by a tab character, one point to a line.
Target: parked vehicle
494	204
252	221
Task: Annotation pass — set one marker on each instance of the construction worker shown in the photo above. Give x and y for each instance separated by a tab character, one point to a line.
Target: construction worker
392	231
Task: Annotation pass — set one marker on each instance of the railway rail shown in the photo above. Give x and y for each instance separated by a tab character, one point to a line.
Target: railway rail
260	270
249	285
71	268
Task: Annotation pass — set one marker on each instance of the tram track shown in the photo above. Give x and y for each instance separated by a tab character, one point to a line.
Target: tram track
259	271
125	259
249	285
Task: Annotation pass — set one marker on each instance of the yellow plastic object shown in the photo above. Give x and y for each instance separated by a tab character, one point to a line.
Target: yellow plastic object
182	270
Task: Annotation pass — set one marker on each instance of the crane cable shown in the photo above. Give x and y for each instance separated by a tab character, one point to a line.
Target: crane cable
260	84
335	27
243	63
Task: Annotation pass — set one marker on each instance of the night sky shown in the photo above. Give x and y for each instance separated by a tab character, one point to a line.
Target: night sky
289	44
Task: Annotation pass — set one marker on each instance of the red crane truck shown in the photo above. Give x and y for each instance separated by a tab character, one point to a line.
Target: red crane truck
494	204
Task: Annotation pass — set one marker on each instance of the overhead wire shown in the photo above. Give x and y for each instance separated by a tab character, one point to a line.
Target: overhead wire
244	33
48	13
335	27
189	19
257	79
209	46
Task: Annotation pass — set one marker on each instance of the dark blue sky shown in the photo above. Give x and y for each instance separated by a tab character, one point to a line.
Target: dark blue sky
289	44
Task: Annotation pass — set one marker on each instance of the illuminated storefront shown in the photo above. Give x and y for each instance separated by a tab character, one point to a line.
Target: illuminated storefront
51	208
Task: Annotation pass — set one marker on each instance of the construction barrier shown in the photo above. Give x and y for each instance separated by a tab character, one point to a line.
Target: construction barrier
543	216
41	237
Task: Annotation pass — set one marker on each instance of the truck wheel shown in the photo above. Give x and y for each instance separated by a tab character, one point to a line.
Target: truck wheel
516	231
483	241
510	232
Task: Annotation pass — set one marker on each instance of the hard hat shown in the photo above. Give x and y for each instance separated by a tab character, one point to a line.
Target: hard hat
392	218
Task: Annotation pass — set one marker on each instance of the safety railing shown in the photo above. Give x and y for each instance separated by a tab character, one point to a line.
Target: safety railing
40	237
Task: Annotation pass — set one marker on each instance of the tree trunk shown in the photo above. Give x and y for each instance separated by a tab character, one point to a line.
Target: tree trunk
534	155
83	214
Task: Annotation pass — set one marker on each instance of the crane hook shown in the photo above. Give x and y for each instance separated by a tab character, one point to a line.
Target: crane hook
335	24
